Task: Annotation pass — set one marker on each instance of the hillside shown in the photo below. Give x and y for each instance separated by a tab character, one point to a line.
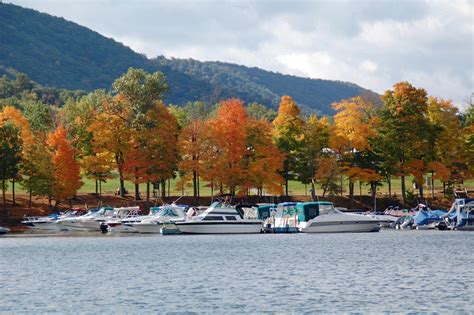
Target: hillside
57	53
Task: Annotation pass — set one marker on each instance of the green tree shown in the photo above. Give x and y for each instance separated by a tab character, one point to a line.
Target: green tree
316	138
405	131
10	157
140	89
259	111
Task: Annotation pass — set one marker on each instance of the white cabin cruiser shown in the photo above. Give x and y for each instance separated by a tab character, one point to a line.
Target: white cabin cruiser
322	217
49	223
221	218
105	214
120	221
75	223
168	214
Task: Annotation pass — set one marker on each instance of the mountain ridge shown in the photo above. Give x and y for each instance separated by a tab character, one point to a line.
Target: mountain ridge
59	53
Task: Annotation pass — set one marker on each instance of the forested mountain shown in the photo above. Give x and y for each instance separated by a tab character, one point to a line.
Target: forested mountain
57	53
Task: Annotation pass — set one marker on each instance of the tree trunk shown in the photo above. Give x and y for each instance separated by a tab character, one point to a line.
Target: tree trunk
341	187
420	190
286	185
13	192
198	185
163	188
313	190
49	203
351	193
96	187
403	191
4	199
100	188
360	189
169	186
29	193
444	188
137	191
432	185
389	186
147	192
122	187
195	188
373	187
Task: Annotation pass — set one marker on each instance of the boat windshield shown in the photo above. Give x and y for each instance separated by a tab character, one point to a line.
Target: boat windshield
168	212
327	209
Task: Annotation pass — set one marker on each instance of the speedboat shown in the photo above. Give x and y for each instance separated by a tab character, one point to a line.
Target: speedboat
221	218
169	214
49	223
105	214
74	223
4	230
322	217
427	219
461	215
120	221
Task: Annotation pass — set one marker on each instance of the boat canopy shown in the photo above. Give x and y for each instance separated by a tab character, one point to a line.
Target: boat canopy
310	210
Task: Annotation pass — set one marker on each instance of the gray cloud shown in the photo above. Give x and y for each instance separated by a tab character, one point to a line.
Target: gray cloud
371	43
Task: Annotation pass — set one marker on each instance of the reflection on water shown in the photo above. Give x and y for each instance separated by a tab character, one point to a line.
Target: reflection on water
400	271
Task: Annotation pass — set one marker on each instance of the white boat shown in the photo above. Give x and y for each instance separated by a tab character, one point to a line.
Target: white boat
49	223
284	218
75	223
4	230
105	214
461	215
168	214
322	217
120	221
220	218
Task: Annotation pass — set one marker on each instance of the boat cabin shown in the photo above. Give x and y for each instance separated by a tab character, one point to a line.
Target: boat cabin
310	210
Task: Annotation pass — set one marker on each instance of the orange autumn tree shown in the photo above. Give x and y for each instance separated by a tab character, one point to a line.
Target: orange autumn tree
161	145
67	178
288	135
15	117
351	134
111	133
263	160
449	164
230	137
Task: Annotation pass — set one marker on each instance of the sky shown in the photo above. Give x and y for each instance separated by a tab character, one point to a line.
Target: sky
371	43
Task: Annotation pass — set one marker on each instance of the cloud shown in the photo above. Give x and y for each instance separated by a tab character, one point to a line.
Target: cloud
368	42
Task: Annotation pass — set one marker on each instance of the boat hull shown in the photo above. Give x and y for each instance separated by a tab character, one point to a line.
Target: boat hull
148	228
70	226
341	227
42	226
201	227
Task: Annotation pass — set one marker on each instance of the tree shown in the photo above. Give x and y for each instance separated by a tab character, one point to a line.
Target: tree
288	135
162	148
263	160
316	138
194	133
16	118
98	167
449	162
67	178
110	133
140	90
230	138
10	156
405	132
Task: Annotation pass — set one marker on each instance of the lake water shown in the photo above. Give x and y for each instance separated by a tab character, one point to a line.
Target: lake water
389	271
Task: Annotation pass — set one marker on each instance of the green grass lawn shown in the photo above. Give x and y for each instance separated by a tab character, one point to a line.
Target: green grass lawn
294	187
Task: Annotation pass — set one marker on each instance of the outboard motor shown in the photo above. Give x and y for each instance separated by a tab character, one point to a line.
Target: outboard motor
104	227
